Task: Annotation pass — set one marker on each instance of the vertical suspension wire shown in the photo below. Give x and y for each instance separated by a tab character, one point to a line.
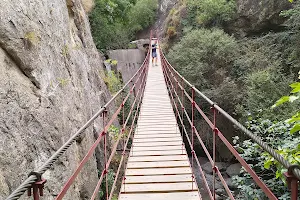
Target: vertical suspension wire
214	152
193	130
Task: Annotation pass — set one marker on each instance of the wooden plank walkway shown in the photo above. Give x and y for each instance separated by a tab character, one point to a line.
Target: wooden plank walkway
158	167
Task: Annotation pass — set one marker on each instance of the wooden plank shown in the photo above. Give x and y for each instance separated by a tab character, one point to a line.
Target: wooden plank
169	143
161	171
141	136
161	196
157	109
147	132
158	128
144	140
157	113
157	158
162	164
157	148
163	118
159	187
157	153
154	127
147	122
156	116
159	178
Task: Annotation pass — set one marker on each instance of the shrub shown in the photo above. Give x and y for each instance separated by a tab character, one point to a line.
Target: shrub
204	57
30	39
112	81
65	50
260	67
277	136
171	32
110	182
132	46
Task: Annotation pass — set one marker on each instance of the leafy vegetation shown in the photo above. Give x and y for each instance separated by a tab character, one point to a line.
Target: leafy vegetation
210	12
115	22
110	182
246	76
113	81
276	135
204	57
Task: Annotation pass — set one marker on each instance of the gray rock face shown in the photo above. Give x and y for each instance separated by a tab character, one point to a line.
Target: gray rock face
255	16
49	87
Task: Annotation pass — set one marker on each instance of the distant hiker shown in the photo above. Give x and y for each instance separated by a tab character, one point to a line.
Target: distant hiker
154	53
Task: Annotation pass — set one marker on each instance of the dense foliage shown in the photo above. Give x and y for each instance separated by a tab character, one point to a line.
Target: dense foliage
210	12
115	22
204	57
246	76
276	135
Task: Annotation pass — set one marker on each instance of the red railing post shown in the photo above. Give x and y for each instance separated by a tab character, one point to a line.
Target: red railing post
104	114
123	135
182	114
214	169
193	130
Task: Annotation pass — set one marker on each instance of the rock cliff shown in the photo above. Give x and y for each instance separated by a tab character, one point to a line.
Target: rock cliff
49	87
256	16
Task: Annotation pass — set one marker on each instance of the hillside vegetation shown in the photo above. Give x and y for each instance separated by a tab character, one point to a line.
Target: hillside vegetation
246	76
114	23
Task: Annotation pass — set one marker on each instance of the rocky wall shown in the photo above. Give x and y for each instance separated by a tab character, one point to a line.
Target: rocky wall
49	87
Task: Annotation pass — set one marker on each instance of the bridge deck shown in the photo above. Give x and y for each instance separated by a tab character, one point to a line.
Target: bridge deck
158	167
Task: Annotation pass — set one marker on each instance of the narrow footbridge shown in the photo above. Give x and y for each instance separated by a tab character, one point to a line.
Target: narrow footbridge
157	139
158	166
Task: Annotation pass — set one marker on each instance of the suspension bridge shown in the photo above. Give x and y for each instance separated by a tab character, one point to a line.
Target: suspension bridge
155	128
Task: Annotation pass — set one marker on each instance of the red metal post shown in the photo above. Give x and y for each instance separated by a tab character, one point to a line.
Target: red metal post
105	155
214	152
133	88
193	130
182	112
123	134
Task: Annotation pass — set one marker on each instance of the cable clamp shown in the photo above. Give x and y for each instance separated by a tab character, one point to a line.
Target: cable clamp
290	177
37	187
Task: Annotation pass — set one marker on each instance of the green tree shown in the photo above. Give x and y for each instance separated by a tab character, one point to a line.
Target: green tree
115	22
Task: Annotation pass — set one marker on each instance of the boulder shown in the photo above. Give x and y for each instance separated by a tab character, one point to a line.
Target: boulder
208	168
234	169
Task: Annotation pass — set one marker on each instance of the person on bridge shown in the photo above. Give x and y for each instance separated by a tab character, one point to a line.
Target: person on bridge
154	53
